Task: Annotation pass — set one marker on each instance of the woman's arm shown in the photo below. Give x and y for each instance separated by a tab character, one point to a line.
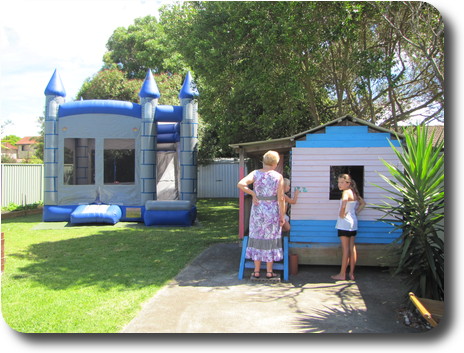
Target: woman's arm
243	185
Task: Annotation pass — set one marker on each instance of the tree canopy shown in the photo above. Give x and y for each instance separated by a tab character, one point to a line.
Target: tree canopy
272	69
113	84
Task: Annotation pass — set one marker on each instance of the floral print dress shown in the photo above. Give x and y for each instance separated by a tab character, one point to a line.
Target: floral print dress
265	241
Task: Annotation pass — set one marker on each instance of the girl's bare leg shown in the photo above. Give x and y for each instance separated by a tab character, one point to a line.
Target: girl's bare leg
353	257
345	242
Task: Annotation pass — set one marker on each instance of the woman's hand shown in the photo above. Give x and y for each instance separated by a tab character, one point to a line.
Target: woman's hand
255	199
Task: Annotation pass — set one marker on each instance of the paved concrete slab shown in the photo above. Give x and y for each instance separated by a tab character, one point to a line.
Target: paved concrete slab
207	297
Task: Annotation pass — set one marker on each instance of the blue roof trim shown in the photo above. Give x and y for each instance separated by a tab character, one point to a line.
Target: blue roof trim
347	136
100	107
55	86
189	89
149	88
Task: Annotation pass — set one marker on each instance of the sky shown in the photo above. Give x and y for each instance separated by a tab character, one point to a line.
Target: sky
39	36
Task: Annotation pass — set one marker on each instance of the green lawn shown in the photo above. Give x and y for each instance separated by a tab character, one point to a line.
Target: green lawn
95	278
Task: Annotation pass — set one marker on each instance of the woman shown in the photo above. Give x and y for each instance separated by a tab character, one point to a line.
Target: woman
267	214
351	204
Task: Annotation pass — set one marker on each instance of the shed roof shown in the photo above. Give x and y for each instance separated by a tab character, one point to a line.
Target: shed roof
285	144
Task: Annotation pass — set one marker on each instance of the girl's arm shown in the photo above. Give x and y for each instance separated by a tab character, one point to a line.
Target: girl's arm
295	198
342	209
281	200
362	204
345	198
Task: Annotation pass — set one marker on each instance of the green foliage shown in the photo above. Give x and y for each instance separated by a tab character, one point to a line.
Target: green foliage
11	139
15	207
272	69
417	207
251	78
113	84
143	46
110	84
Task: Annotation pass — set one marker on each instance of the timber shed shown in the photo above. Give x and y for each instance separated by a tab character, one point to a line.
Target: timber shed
316	157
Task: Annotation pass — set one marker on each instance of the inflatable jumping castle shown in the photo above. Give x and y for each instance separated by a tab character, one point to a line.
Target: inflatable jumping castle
108	161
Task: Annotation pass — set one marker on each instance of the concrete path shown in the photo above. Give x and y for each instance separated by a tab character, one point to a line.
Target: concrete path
207	297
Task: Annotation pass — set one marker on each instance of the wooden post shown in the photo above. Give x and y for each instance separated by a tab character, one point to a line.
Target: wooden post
293	264
241	196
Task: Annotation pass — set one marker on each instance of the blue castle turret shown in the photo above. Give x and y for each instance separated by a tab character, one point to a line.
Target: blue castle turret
188	140
55	94
149	95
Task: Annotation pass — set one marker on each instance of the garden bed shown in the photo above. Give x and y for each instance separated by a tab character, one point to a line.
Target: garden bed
21	213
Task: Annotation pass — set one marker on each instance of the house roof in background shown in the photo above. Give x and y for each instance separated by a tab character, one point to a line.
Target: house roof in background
28	140
8	146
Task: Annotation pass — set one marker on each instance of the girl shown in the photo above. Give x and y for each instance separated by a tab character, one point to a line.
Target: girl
288	201
351	204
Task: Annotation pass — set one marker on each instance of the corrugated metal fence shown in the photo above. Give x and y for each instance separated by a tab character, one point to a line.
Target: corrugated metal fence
218	179
22	184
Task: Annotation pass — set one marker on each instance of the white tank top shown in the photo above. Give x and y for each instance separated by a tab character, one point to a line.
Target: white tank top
350	221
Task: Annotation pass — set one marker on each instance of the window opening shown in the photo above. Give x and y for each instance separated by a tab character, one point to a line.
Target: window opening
119	161
79	161
357	174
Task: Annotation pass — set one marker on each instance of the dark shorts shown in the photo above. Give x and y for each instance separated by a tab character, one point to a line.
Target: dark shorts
346	233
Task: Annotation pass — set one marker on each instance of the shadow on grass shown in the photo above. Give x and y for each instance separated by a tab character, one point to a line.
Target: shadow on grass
126	258
107	259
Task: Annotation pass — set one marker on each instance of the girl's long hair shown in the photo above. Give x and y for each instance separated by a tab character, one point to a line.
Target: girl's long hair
353	186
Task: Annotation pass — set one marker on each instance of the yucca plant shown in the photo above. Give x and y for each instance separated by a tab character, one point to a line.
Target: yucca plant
416	205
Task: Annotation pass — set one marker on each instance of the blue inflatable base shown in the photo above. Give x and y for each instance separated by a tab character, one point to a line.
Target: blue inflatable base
170	217
52	213
110	214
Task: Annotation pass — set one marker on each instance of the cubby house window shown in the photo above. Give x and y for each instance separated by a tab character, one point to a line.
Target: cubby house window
79	161
119	161
357	174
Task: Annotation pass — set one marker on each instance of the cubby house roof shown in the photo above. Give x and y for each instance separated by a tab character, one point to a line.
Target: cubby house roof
285	144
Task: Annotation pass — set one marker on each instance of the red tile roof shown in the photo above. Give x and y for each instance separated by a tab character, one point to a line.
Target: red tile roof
9	146
28	140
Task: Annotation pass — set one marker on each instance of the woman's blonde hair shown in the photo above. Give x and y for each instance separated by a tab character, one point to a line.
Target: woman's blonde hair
271	158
